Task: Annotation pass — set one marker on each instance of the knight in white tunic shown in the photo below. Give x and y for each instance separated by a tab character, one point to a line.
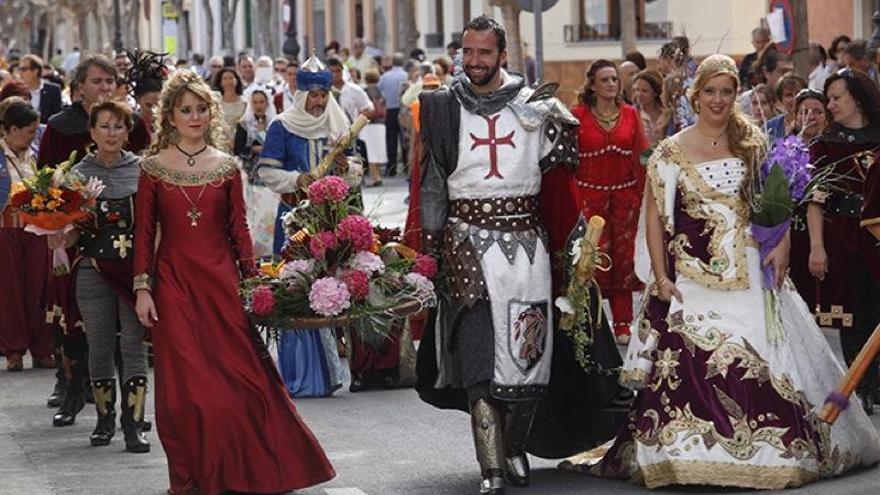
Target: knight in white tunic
487	141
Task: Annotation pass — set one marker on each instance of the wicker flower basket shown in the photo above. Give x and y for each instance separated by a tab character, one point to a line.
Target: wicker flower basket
402	310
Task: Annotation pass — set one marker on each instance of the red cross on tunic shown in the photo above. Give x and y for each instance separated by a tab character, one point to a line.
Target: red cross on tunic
492	142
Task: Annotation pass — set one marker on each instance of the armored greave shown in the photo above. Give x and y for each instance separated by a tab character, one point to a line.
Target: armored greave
489	442
517	423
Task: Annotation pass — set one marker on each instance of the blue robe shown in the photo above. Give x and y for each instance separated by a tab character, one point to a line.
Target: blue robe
307	359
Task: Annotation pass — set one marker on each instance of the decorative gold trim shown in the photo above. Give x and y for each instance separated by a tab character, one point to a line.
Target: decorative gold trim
634	379
271	162
722	474
694	198
226	168
835	312
143	281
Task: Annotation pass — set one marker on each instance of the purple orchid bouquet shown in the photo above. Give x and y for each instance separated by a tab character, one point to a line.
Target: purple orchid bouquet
785	180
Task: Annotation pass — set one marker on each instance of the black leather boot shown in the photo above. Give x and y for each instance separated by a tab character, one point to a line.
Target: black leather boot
134	398
74	399
104	392
489	443
517	423
60	388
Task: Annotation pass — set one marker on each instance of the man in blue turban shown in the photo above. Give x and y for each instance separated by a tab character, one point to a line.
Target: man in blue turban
296	141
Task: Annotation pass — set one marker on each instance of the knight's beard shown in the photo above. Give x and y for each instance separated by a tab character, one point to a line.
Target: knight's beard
488	76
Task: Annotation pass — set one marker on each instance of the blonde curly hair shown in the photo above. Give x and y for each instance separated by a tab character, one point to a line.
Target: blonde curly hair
181	82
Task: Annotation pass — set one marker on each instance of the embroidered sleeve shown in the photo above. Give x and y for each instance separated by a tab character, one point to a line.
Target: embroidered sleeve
239	233
871	206
270	168
146	217
662	177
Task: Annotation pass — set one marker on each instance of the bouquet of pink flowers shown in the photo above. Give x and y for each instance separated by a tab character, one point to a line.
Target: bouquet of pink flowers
336	272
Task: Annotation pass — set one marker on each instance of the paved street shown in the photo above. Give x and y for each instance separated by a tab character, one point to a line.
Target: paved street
381	443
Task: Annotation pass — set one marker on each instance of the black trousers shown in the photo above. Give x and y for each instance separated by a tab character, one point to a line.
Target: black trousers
392	139
475	340
866	316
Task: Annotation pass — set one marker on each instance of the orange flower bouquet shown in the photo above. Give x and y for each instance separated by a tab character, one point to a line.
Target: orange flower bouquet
53	201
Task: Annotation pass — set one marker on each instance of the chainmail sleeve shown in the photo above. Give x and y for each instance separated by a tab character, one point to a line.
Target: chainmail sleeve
434	199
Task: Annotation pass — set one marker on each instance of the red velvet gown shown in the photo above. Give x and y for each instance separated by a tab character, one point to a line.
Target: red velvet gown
610	181
222	413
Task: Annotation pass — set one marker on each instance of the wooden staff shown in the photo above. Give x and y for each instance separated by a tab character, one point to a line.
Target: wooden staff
838	400
292	199
586	266
340	145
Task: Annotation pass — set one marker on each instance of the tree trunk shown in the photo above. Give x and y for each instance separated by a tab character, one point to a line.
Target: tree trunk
228	12
408	34
209	26
627	26
802	38
130	15
82	22
265	29
510	15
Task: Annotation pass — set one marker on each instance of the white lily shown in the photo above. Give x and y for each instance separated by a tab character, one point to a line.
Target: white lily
564	305
94	187
576	250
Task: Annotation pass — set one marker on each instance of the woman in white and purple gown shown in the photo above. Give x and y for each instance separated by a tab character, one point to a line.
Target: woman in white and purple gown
721	401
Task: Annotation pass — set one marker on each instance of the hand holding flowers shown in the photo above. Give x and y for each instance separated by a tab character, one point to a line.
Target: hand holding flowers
52	201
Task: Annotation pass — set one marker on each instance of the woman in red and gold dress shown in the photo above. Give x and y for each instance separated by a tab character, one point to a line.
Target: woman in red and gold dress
223	416
610	181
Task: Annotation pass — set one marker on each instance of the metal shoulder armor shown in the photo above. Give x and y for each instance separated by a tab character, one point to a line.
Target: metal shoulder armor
533	106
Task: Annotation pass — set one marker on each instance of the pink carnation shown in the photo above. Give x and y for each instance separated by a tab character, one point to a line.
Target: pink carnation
329	297
358	230
321	242
425	265
263	301
358	284
330	188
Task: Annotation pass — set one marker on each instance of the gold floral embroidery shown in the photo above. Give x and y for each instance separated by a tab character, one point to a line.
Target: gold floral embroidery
666	364
633	378
152	166
697	194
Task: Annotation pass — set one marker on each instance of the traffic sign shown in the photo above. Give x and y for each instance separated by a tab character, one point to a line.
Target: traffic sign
787	25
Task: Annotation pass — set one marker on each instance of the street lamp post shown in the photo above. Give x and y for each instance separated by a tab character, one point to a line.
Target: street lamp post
291	46
117	35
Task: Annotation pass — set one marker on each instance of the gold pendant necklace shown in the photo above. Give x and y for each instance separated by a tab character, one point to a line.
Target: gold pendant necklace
606	119
193	213
710	138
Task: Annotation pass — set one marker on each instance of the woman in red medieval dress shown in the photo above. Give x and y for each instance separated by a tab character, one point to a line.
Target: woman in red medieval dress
222	413
610	181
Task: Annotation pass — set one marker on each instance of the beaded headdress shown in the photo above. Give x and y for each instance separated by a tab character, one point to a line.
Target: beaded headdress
712	66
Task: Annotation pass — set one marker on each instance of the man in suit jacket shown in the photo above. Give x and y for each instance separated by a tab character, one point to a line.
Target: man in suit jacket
45	96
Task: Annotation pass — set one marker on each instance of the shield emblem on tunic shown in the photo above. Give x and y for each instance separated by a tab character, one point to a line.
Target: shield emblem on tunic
527	329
